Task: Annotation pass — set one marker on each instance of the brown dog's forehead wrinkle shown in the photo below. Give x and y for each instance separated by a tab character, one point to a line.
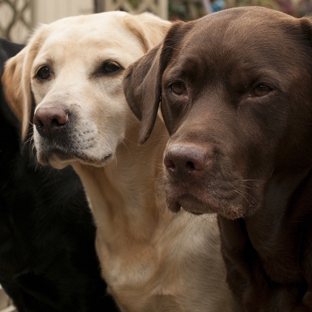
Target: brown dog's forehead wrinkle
225	35
219	51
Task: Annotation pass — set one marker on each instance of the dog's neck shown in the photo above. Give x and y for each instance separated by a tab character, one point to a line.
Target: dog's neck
274	230
280	203
124	195
142	246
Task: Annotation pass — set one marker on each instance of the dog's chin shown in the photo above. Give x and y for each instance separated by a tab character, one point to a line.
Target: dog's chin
197	204
59	159
188	203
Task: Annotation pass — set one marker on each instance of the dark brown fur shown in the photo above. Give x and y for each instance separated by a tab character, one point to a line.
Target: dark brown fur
257	151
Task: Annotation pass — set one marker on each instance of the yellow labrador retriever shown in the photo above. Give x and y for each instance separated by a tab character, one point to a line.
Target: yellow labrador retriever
72	69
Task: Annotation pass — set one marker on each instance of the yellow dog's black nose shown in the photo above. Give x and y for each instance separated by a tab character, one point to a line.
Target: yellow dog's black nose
49	121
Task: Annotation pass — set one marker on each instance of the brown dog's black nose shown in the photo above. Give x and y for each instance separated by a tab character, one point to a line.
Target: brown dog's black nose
185	159
50	120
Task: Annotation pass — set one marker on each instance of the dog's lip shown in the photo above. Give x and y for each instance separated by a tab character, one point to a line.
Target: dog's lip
173	206
192	204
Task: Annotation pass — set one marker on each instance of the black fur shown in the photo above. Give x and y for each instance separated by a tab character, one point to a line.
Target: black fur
47	256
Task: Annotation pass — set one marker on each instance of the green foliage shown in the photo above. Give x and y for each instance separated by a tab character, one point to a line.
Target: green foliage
185	10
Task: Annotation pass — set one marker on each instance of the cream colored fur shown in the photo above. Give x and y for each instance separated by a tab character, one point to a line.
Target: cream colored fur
152	259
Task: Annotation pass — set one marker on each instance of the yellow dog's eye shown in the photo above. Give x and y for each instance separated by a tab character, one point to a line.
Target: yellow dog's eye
178	88
110	68
260	90
43	73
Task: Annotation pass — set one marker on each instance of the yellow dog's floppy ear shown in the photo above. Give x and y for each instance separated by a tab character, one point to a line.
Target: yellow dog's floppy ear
16	81
19	102
149	28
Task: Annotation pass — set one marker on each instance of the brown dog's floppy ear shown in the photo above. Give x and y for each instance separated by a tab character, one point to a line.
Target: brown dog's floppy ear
142	90
306	27
16	82
142	82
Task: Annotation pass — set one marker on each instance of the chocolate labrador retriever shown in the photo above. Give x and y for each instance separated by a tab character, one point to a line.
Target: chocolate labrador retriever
236	97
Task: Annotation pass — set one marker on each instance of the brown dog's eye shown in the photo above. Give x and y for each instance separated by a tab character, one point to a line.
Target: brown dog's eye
44	73
178	88
110	68
260	90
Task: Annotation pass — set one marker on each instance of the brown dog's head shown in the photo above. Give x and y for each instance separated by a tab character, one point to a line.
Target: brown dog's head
72	71
236	97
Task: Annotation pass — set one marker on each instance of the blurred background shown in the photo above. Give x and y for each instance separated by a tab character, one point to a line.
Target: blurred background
19	17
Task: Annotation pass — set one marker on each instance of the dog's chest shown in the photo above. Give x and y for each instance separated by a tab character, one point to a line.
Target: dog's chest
139	285
156	303
271	255
278	254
